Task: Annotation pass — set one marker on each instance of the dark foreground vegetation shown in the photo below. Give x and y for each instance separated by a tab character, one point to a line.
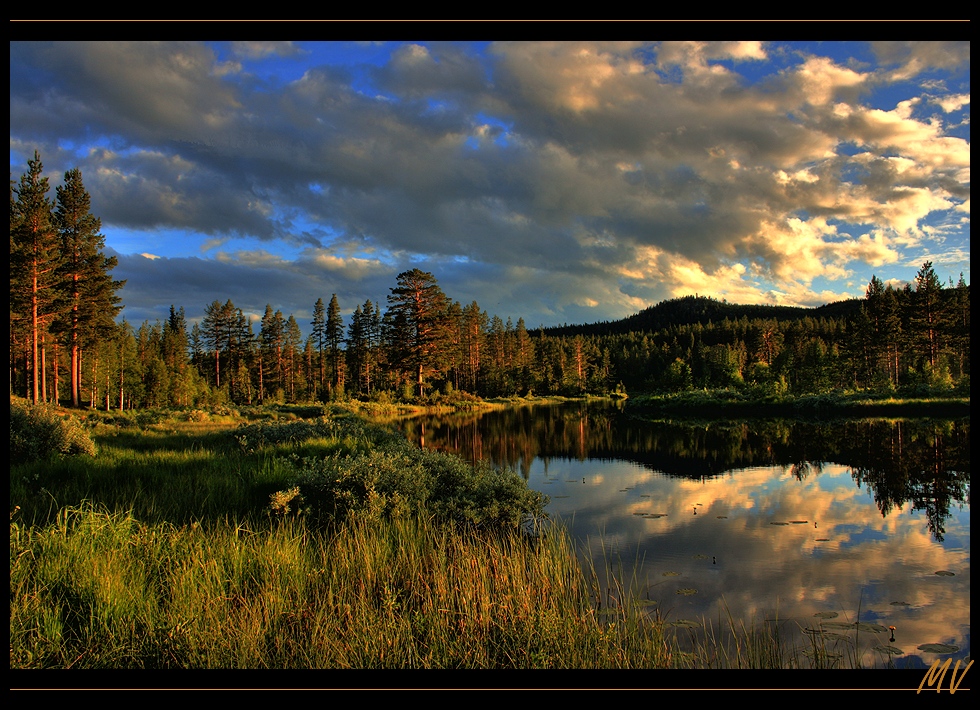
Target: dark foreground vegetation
270	538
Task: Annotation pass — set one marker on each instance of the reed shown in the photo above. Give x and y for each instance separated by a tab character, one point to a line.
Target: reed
103	590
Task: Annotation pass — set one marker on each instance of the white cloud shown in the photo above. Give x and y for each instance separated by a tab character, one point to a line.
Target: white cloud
821	81
952	102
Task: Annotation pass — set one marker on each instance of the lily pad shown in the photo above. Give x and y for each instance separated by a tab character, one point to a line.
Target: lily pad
655	515
901	604
646	602
858	626
699	556
826	614
890	650
799	522
672	574
874	628
722	517
822	539
685	623
946	573
938	648
687	592
774	522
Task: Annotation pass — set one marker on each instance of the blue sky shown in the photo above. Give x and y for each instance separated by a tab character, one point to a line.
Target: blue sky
559	182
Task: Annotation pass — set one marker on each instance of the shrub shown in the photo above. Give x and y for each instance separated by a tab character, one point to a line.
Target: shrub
390	477
282	503
37	432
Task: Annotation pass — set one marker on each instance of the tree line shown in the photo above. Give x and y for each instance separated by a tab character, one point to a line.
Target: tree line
423	345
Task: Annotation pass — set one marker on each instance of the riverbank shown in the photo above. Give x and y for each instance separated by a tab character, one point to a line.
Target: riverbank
460	402
732	404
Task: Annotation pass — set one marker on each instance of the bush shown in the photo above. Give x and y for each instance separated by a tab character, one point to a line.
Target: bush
390	477
37	433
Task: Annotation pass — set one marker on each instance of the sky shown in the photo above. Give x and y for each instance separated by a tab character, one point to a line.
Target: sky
559	182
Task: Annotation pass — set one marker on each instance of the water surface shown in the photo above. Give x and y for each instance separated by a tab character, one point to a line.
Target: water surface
772	521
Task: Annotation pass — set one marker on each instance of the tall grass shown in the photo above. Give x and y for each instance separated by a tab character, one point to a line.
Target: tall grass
102	590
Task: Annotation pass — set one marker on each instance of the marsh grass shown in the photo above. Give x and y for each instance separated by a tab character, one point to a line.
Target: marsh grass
102	590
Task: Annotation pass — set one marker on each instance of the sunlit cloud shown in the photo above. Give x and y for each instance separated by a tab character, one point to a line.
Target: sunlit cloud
551	180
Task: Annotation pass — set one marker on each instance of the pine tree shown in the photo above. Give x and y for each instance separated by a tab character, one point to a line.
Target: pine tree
356	347
881	304
89	293
335	336
175	355
225	330
34	263
474	326
293	338
213	329
524	358
319	337
960	325
927	317
417	308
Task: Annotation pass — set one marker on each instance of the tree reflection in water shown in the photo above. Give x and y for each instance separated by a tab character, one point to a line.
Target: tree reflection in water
924	463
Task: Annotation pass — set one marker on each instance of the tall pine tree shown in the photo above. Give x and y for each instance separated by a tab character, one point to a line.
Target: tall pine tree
319	337
417	311
34	262
90	304
335	336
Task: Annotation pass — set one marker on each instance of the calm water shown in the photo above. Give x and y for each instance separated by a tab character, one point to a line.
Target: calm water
774	521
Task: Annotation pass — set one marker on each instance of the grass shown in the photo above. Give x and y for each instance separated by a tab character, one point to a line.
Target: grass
162	551
102	590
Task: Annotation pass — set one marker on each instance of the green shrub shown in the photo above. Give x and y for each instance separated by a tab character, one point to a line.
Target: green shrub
37	432
391	477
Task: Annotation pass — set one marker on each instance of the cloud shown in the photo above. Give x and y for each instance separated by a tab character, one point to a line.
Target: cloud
154	90
563	180
263	50
913	58
820	81
952	103
442	70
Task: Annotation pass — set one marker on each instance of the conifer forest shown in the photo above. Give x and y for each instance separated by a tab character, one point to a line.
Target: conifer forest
70	344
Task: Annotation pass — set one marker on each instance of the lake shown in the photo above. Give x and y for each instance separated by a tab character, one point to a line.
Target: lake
803	525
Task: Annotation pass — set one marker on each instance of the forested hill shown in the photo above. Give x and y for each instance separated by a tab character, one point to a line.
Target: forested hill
701	309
